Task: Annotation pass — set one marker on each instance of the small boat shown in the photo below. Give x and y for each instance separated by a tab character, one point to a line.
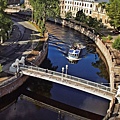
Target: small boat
74	53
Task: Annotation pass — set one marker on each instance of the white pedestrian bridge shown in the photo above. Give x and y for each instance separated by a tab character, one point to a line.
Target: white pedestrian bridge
70	81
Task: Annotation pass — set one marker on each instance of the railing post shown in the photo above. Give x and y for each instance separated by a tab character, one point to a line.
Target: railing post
66	69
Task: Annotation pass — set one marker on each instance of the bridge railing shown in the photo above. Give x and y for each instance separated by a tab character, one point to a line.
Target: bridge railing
81	80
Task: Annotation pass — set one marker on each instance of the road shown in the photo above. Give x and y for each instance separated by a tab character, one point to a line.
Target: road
20	41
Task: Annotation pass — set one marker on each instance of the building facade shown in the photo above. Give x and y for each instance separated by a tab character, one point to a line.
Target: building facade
89	7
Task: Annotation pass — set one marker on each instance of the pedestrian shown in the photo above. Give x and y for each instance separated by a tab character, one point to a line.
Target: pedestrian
46	70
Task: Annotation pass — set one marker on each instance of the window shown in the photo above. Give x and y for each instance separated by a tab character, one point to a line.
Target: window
90	12
86	11
90	5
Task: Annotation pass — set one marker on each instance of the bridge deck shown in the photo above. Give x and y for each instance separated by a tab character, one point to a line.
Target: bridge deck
70	81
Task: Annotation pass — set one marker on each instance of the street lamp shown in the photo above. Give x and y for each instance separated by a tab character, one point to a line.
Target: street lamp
62	72
66	69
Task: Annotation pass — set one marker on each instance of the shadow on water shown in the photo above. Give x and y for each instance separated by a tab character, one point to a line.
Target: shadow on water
11	98
61	106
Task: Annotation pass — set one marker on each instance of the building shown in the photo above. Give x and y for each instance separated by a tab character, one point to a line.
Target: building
89	7
76	5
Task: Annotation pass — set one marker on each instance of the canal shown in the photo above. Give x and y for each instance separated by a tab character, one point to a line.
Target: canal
90	66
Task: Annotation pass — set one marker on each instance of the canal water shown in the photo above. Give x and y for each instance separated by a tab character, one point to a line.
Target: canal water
90	67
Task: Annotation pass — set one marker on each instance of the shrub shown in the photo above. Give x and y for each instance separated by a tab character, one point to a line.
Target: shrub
104	38
116	43
109	37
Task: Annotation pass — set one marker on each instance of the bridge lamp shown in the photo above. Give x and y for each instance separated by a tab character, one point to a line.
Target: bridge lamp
62	72
66	69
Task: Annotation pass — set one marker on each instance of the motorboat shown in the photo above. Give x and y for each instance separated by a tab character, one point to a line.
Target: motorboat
74	53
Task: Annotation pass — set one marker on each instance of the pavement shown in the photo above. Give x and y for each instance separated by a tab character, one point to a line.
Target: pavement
18	45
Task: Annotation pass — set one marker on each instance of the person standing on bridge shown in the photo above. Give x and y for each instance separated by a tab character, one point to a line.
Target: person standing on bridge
46	70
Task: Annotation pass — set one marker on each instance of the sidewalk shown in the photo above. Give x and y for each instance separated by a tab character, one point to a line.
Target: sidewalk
116	53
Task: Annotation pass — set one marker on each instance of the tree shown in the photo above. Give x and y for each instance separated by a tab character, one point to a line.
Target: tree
116	43
5	21
93	22
68	15
113	11
102	5
43	9
80	16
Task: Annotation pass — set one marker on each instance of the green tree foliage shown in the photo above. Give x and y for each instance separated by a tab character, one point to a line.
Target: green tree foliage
93	22
68	15
43	9
102	5
116	43
88	20
113	11
5	22
80	16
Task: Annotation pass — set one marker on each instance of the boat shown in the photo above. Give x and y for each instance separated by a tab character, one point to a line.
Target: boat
74	53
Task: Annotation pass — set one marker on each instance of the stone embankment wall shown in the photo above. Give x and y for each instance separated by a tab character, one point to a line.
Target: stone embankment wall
11	84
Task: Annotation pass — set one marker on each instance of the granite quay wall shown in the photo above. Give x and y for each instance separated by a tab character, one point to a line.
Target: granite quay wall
98	41
9	87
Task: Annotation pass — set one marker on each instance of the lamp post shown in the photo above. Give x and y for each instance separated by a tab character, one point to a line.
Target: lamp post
66	69
62	72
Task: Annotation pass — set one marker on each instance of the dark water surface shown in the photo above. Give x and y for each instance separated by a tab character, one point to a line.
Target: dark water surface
90	67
